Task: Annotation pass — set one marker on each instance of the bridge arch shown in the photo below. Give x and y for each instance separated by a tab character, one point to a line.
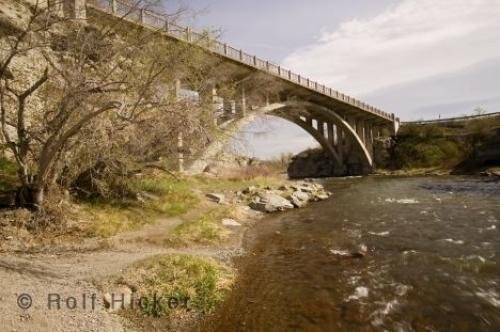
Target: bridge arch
289	111
295	112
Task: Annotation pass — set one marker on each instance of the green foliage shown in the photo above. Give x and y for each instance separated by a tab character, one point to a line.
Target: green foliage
428	146
199	282
176	195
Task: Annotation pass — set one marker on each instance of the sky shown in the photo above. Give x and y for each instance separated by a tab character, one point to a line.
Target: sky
419	59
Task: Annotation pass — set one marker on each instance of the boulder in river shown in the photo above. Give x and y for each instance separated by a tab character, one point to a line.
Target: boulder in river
270	202
299	198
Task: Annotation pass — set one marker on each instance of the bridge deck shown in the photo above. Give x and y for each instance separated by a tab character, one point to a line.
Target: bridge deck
160	22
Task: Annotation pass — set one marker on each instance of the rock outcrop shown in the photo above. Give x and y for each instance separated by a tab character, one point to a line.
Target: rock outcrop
311	163
382	152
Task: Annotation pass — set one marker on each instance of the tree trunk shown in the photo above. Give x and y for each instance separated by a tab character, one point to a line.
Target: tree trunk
30	197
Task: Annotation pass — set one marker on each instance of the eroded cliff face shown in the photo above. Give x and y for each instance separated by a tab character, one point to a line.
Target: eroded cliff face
382	152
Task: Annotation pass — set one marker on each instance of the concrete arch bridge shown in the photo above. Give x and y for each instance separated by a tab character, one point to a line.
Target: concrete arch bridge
344	126
348	140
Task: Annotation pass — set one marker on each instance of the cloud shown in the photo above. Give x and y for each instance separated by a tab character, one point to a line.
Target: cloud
451	94
409	41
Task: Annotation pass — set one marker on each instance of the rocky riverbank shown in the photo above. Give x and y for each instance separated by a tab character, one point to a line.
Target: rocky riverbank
279	198
192	252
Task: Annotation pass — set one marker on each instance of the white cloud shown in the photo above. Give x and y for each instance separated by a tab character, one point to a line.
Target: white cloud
412	40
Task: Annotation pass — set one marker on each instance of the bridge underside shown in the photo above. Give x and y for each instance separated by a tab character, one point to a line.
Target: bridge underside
348	141
236	90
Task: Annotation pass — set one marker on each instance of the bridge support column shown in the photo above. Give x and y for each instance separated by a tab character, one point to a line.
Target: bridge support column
176	89
331	133
56	7
309	121
180	152
396	124
369	137
176	95
74	9
360	130
227	106
241	104
321	128
208	99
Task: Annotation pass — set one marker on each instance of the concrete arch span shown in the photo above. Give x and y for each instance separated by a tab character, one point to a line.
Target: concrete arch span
304	114
296	111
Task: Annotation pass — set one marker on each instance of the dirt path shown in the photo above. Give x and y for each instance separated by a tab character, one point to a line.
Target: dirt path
79	275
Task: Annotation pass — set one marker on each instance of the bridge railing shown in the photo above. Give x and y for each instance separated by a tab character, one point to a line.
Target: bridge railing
152	19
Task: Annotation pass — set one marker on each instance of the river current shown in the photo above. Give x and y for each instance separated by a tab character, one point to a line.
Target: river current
397	254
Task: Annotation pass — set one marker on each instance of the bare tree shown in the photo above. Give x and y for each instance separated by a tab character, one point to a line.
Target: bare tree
98	91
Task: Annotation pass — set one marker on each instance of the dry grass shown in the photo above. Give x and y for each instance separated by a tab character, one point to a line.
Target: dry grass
199	283
206	228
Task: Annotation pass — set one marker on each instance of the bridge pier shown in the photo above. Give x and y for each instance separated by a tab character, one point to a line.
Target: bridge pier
360	129
369	136
241	103
331	130
176	89
72	9
208	98
321	128
176	94
227	107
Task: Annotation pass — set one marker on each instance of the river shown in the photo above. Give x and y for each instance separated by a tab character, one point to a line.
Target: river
431	261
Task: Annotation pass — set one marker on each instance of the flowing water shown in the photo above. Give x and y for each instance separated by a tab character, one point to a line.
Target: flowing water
431	264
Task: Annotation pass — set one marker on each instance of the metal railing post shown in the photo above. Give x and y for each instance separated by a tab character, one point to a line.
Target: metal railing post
113	6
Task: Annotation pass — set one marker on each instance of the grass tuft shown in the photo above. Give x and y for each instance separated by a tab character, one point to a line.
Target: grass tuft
198	283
